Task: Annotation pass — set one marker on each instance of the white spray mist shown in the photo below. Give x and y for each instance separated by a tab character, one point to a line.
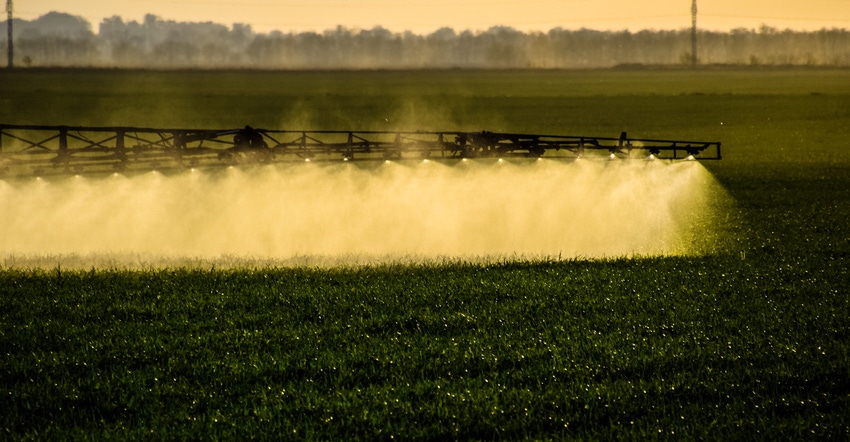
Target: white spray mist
408	210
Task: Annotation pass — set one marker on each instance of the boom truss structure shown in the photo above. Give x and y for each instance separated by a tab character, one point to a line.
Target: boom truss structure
26	149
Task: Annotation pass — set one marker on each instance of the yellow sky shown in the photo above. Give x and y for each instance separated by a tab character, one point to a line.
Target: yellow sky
424	16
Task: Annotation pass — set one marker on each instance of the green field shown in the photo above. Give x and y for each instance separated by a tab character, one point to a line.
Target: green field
747	342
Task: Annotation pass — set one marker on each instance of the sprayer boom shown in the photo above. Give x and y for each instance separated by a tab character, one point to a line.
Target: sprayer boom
64	149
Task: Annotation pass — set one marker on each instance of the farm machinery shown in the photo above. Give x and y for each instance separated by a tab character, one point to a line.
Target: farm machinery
32	149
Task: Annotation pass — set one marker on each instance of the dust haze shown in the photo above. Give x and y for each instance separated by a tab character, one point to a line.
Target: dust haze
309	214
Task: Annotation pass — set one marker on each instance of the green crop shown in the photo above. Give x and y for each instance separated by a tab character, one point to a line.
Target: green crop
751	341
681	347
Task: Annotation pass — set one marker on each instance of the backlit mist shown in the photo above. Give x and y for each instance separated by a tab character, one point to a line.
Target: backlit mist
362	212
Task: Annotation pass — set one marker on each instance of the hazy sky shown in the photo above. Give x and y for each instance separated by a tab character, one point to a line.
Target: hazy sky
424	16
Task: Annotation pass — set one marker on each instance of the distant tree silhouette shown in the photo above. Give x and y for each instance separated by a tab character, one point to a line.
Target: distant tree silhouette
59	39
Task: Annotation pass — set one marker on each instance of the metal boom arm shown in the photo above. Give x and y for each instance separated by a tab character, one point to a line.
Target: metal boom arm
75	149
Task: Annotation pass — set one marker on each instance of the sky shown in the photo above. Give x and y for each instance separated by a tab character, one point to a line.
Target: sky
425	16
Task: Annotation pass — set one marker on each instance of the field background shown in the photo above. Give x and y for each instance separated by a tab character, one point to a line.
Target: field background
749	341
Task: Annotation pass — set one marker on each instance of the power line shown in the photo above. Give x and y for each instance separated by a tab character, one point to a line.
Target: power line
694	33
10	49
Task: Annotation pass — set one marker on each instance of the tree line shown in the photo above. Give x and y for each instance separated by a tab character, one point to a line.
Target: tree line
59	39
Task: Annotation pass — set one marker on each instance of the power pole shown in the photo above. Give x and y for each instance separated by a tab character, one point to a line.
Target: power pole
11	48
693	32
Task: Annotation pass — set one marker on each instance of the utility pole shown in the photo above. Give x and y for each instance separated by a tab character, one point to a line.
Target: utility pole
693	32
11	48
